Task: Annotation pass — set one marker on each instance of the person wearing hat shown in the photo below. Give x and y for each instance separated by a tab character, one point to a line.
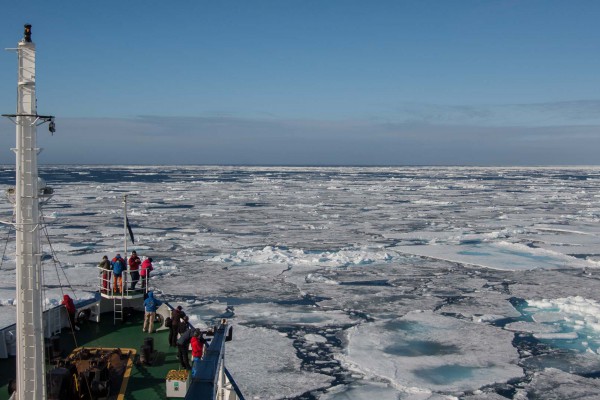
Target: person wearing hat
134	266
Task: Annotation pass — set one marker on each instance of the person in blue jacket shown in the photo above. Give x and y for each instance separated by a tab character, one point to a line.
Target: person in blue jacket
150	306
118	266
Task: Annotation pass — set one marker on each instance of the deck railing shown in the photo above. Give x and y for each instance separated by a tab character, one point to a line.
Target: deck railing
210	377
107	283
54	320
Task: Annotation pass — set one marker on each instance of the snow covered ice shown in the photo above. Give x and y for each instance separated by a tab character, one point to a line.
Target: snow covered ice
354	283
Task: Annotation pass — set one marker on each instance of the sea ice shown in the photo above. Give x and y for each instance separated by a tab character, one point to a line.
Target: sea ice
264	363
290	315
557	336
531	327
327	267
315	338
552	383
567	361
434	352
548	316
500	255
372	390
573	318
481	306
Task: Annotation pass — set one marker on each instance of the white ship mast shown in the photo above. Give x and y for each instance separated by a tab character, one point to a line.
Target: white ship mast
31	381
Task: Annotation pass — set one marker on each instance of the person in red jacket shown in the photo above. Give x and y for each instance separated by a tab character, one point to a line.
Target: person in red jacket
197	343
134	266
71	310
145	271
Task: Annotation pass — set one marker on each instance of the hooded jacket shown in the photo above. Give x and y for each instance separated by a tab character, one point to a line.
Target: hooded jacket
151	304
146	267
118	265
105	265
68	303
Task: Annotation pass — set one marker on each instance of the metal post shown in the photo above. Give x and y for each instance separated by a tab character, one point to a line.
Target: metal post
126	271
31	379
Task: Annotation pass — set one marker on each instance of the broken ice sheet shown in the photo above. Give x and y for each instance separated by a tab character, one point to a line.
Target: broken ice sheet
265	364
434	352
556	384
568	323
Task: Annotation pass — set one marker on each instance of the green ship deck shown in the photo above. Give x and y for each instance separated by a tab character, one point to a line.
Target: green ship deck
145	382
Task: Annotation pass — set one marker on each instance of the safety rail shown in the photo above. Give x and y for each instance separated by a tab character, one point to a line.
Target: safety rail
210	377
54	320
107	285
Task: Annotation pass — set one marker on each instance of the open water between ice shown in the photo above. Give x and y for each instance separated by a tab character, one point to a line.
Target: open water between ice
355	283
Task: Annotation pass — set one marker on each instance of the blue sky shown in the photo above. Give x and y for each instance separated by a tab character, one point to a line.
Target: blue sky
311	82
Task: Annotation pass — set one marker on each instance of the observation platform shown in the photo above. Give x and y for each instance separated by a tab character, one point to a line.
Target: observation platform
106	287
127	294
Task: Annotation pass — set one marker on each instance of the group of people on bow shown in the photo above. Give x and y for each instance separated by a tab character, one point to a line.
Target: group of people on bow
117	267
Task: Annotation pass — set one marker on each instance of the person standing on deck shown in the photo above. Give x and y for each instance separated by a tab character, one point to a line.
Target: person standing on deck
105	268
198	343
71	310
150	305
134	266
176	315
118	266
183	343
145	270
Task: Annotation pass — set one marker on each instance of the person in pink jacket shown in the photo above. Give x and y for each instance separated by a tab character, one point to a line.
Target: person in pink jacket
145	271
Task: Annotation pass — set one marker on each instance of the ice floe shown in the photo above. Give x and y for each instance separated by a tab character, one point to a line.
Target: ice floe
426	350
264	363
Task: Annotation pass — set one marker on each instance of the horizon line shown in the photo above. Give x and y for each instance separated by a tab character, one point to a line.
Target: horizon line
321	165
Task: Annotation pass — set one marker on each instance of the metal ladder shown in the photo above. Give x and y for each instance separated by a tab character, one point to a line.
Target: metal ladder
56	327
118	308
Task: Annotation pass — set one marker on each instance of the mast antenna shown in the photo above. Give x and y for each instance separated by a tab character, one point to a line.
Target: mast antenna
31	378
